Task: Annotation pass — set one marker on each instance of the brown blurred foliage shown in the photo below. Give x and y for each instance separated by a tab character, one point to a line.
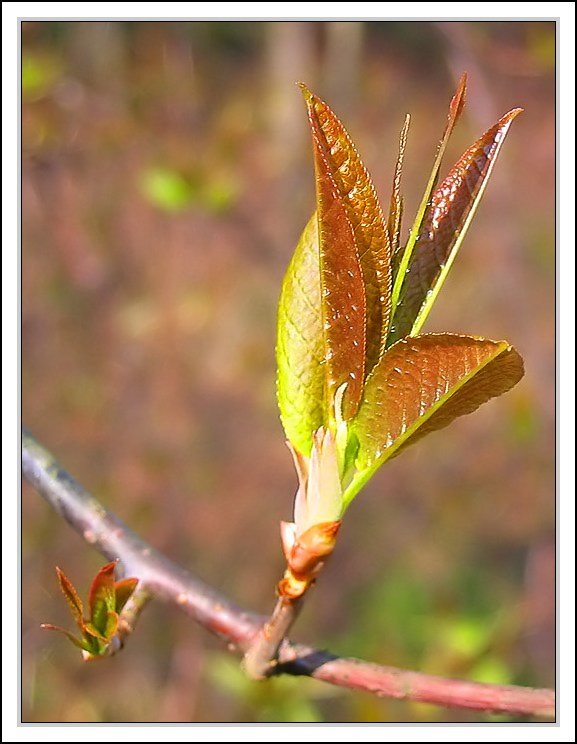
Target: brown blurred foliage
148	333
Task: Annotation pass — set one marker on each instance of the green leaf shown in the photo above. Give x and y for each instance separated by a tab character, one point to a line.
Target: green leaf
335	339
106	600
123	590
353	235
402	264
102	599
104	625
443	228
79	643
422	384
300	344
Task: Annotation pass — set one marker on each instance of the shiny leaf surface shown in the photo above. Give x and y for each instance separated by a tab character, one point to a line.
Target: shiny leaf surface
342	178
402	264
443	228
396	205
421	385
300	344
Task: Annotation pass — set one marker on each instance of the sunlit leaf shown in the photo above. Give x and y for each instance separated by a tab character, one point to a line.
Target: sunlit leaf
300	344
396	205
445	224
422	384
352	231
455	109
343	296
347	273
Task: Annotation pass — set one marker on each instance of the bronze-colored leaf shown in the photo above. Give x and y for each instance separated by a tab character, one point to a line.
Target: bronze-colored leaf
404	256
342	292
422	384
123	590
396	206
78	642
342	178
443	228
74	601
102	596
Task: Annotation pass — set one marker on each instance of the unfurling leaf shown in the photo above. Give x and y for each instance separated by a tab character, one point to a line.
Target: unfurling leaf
123	590
356	384
444	225
74	601
102	602
355	255
300	344
421	385
401	265
396	205
106	600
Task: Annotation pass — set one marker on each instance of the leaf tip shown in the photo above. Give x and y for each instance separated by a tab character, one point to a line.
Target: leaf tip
458	100
305	91
510	115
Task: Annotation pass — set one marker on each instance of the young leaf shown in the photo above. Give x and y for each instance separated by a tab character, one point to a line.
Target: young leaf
422	384
79	643
396	205
102	597
123	590
345	190
103	626
74	601
455	109
300	346
106	600
343	295
444	225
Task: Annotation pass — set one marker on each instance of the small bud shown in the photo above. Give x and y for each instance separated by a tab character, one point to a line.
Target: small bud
312	549
310	539
306	556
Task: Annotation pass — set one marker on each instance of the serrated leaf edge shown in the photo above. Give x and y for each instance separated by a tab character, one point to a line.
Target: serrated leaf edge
363	476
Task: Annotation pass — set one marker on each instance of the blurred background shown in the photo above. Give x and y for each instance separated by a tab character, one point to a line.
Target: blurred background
166	176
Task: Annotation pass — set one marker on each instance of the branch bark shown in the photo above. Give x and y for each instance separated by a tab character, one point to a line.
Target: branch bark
261	659
163	579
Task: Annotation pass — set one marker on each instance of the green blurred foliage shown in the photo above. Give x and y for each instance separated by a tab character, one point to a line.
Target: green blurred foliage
285	699
39	75
166	176
167	189
171	191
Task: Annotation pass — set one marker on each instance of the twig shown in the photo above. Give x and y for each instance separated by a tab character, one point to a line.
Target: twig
166	580
261	659
160	576
128	618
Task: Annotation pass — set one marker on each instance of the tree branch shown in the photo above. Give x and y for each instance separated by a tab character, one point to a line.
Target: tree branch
261	659
162	578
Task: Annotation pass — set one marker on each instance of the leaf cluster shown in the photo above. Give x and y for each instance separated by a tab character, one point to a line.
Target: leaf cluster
106	600
351	356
